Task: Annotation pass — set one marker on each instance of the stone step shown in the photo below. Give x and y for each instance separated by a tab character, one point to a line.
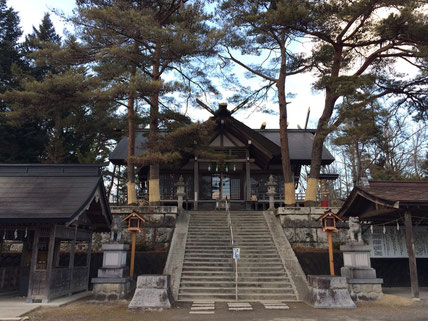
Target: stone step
244	274
250	267
231	278
207	271
208	241
231	283
243	260
204	227
241	290
252	243
207	247
216	296
219	263
228	253
222	251
230	259
207	250
229	297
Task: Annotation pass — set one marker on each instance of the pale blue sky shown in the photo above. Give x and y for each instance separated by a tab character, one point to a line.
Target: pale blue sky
31	13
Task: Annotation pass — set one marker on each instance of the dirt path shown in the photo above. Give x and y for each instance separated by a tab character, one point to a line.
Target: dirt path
388	308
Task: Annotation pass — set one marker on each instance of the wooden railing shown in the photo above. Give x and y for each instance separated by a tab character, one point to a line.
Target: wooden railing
66	281
9	279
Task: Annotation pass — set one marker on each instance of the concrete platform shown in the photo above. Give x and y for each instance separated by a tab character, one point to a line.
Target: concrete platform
15	307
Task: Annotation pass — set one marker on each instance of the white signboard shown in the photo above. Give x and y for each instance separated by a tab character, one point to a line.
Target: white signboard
236	253
392	242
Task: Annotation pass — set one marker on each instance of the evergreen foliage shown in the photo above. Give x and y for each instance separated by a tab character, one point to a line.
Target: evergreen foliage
19	144
356	46
254	28
135	43
60	102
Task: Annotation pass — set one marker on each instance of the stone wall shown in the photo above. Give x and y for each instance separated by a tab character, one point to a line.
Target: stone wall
157	231
303	230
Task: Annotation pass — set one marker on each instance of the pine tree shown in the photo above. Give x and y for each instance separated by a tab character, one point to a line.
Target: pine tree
355	48
41	39
19	144
253	28
137	42
74	118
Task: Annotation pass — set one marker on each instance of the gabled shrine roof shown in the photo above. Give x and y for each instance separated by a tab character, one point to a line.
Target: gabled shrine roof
300	143
37	193
387	200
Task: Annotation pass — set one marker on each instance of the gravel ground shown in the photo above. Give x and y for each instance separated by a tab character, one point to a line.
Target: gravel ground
389	308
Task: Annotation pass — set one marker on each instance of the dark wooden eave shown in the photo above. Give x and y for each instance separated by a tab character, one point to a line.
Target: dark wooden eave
385	201
53	193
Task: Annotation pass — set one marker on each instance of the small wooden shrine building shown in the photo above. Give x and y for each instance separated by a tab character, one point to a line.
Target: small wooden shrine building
252	156
394	203
50	211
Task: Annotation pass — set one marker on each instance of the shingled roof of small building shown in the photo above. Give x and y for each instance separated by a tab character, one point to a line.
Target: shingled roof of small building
386	199
53	193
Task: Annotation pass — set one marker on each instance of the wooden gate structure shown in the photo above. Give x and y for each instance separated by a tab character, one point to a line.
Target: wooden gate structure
391	203
52	211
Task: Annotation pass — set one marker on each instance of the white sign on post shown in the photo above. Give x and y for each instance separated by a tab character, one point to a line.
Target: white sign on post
236	253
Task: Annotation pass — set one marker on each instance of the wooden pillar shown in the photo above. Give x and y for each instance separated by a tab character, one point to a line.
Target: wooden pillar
57	255
330	253
22	272
411	251
195	184
33	263
117	187
131	269
51	249
88	261
71	261
247	178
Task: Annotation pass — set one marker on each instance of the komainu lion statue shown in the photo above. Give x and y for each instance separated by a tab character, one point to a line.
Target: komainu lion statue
355	229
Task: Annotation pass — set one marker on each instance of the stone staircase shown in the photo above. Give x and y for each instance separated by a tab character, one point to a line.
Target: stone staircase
208	267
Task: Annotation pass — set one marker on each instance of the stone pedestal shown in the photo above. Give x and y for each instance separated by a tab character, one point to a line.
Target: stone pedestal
328	292
113	282
361	277
153	291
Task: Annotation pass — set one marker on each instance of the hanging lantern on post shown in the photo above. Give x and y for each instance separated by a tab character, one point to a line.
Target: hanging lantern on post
328	221
135	225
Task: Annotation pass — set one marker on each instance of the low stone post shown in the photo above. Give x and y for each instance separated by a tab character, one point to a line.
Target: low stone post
153	291
180	193
271	184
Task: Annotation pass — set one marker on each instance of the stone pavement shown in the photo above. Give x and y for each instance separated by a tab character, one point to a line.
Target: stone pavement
11	308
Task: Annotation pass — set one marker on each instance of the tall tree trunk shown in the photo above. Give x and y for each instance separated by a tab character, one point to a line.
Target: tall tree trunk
154	187
354	166
322	132
317	146
111	183
131	188
289	191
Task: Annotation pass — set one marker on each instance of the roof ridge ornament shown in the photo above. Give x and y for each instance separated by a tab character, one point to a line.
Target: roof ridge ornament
222	107
364	182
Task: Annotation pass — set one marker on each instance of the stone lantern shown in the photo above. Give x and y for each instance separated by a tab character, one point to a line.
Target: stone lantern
180	193
113	282
271	185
